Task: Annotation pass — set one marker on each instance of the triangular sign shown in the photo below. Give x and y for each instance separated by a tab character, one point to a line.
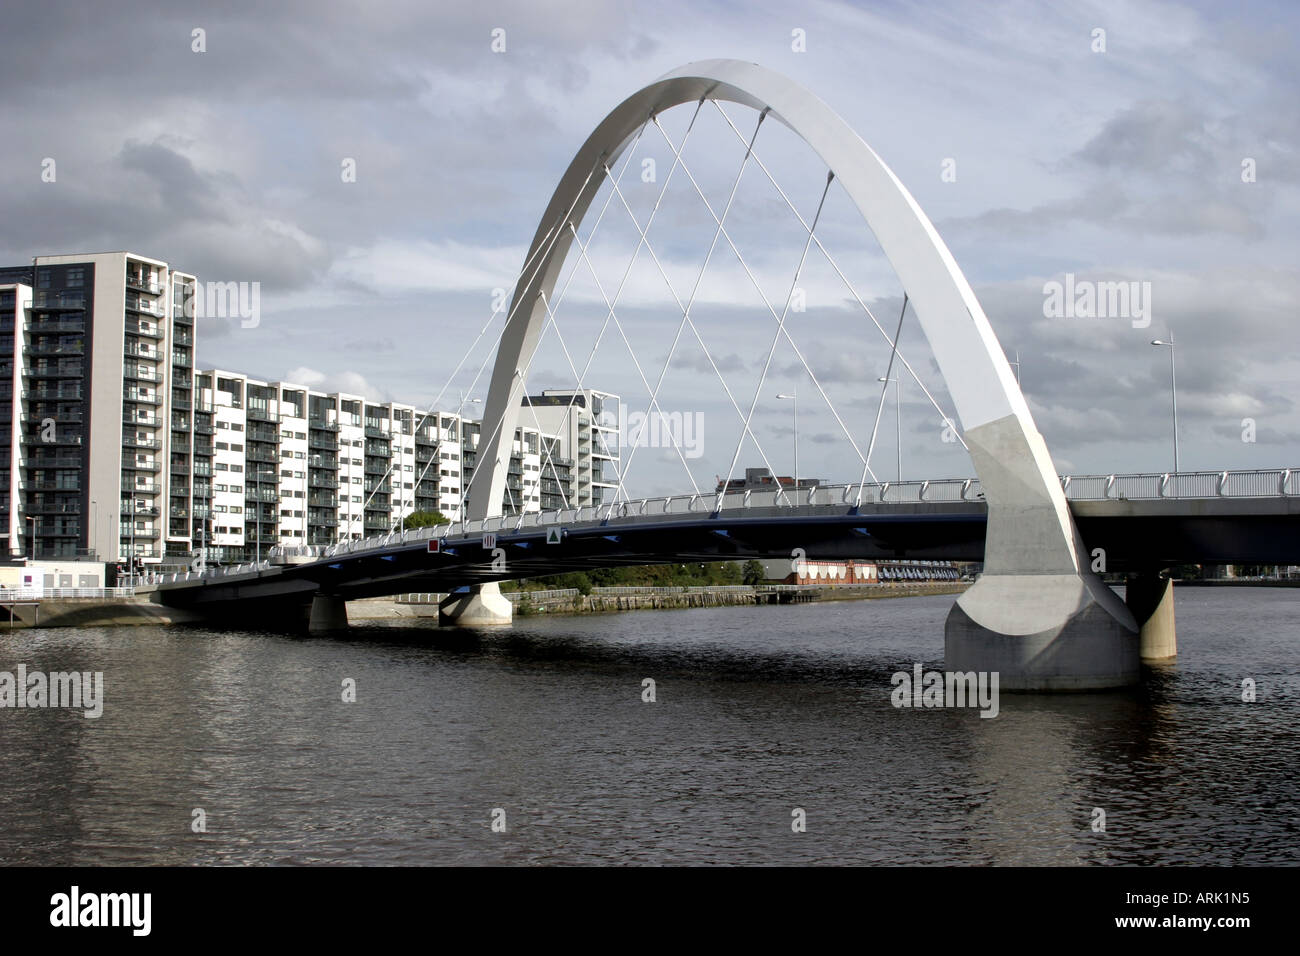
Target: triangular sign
554	535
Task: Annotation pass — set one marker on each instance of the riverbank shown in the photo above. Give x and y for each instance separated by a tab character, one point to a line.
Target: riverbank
142	610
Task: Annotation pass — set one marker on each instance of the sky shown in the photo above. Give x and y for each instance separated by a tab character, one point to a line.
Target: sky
1161	151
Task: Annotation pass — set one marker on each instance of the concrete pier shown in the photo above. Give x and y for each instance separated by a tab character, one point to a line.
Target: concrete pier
1044	632
328	613
1151	599
482	605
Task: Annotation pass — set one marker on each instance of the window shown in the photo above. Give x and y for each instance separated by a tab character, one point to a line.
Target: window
236	467
221	466
42	278
223	424
76	277
235	446
236	426
221	446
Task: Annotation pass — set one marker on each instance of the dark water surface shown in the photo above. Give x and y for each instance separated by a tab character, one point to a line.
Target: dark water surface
759	711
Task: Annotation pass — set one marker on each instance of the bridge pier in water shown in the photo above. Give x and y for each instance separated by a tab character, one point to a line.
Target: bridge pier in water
328	613
1038	616
1150	596
482	604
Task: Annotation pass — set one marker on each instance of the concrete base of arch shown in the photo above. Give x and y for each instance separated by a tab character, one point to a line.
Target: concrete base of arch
482	605
1044	632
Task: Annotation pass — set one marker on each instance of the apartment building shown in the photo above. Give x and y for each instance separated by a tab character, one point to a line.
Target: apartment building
97	352
278	463
586	424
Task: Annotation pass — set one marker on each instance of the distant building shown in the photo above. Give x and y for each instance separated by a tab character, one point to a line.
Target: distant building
761	479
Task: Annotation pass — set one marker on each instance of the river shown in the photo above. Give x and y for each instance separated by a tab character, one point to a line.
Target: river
759	713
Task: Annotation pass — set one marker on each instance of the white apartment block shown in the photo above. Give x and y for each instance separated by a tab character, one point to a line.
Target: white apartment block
278	463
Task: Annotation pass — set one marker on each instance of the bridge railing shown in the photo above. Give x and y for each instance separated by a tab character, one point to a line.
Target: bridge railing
1265	483
53	594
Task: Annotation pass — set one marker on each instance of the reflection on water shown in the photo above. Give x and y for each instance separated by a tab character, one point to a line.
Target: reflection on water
758	711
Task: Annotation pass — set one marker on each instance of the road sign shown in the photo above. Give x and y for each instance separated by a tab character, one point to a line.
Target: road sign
435	545
554	535
489	542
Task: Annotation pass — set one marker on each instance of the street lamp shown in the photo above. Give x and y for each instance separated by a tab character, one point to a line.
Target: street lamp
794	397
898	424
1173	386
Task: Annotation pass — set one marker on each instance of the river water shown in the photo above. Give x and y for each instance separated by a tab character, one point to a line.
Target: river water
758	711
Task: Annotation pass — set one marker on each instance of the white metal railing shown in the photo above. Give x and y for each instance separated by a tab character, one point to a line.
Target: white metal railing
27	594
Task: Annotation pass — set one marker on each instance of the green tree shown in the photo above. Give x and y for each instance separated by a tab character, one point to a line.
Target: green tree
753	572
424	519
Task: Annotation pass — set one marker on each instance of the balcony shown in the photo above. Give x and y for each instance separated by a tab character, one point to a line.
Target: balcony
262	456
269	435
182	360
203	448
181	404
323	426
136	351
150	332
53	348
59	302
183	338
146	512
53	394
141	398
323	522
36	439
184	382
321	481
147	421
54	371
180	425
202	429
144	307
37	326
260	413
374	431
54	508
323	443
132	441
141	284
149	466
269	497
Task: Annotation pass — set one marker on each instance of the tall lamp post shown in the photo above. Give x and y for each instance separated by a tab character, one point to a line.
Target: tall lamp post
794	397
898	425
1173	386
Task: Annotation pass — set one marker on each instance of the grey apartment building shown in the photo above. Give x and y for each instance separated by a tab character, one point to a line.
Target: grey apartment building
96	361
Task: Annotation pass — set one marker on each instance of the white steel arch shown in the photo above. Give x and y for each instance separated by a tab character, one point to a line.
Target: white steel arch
1030	530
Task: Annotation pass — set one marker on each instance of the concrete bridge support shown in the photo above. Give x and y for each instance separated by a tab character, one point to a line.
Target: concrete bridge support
482	605
328	613
1038	615
1151	599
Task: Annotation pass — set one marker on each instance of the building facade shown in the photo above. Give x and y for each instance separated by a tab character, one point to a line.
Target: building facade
98	354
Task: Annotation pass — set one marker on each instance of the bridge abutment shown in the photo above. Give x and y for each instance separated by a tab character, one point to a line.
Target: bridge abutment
482	605
1151	599
328	613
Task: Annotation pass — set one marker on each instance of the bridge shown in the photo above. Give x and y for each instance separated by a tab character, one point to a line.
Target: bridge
1039	615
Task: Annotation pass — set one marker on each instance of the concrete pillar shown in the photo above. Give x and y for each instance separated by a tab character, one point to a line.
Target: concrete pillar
1043	632
481	605
1151	599
328	613
1039	615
